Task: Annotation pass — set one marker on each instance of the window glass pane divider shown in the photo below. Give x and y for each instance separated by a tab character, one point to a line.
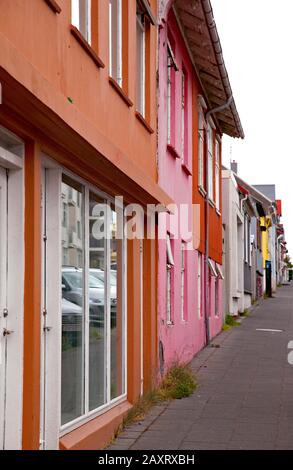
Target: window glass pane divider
107	303
110	40
88	21
86	299
124	287
143	73
75	13
119	43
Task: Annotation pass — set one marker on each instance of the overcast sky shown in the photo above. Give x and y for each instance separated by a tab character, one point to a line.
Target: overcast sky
257	42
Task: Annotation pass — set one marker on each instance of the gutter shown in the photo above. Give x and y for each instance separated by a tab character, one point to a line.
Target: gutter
208	12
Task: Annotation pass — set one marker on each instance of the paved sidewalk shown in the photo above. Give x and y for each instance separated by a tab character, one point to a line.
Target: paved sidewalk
245	395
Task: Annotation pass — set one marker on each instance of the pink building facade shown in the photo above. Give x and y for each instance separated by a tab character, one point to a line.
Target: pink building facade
189	162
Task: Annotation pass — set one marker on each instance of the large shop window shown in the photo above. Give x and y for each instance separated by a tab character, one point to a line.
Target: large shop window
81	17
93	302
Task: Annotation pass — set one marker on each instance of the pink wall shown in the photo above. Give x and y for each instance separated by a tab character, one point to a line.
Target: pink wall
182	339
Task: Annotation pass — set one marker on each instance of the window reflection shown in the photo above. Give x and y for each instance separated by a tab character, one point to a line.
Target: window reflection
92	302
72	402
117	321
97	320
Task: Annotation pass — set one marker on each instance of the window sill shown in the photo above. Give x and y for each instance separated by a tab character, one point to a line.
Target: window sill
144	122
211	203
202	191
218	212
173	151
120	92
86	46
186	169
54	6
170	323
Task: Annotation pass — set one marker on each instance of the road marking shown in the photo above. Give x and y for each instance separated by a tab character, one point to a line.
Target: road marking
270	330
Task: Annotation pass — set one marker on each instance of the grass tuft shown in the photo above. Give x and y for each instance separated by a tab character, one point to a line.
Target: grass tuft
245	313
179	382
230	321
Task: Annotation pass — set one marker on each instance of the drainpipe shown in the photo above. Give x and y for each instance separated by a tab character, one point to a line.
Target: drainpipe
242	202
208	115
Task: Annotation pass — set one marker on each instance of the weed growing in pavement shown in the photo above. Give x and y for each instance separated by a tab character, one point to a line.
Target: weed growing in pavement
230	321
179	382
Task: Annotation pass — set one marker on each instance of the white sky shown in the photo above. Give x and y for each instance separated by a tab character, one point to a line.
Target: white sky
257	42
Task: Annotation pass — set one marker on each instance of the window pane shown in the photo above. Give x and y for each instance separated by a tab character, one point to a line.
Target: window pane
140	64
97	304
117	314
115	31
72	399
80	17
183	104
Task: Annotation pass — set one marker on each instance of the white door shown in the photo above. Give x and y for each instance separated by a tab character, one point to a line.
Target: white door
51	308
3	302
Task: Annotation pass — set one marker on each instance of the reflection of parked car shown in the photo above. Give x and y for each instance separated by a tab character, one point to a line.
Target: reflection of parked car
73	291
72	318
71	315
73	287
100	274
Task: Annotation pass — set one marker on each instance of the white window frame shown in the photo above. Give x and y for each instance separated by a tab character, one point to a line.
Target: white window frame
169	99
183	272
217	297
210	162
170	267
212	268
218	173
141	70
77	13
183	110
201	131
199	284
54	430
118	45
171	64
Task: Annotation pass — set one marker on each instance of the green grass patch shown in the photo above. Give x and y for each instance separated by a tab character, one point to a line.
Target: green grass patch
179	382
230	322
245	313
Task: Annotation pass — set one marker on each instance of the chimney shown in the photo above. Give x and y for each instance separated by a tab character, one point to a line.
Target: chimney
234	166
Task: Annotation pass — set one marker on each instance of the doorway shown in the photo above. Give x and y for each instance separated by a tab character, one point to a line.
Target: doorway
11	304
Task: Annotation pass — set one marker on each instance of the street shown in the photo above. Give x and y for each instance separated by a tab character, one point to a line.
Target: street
244	398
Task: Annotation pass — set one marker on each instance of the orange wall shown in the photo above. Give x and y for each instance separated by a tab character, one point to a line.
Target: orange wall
44	40
41	64
215	219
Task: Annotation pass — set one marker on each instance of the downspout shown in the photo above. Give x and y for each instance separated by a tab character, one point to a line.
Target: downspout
242	202
208	115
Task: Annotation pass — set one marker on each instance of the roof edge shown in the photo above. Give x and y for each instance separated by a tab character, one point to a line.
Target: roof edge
211	24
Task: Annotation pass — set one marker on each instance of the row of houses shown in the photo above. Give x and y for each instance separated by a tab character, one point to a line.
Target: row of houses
110	109
254	244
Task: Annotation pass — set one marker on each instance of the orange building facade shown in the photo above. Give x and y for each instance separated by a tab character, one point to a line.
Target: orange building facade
77	128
